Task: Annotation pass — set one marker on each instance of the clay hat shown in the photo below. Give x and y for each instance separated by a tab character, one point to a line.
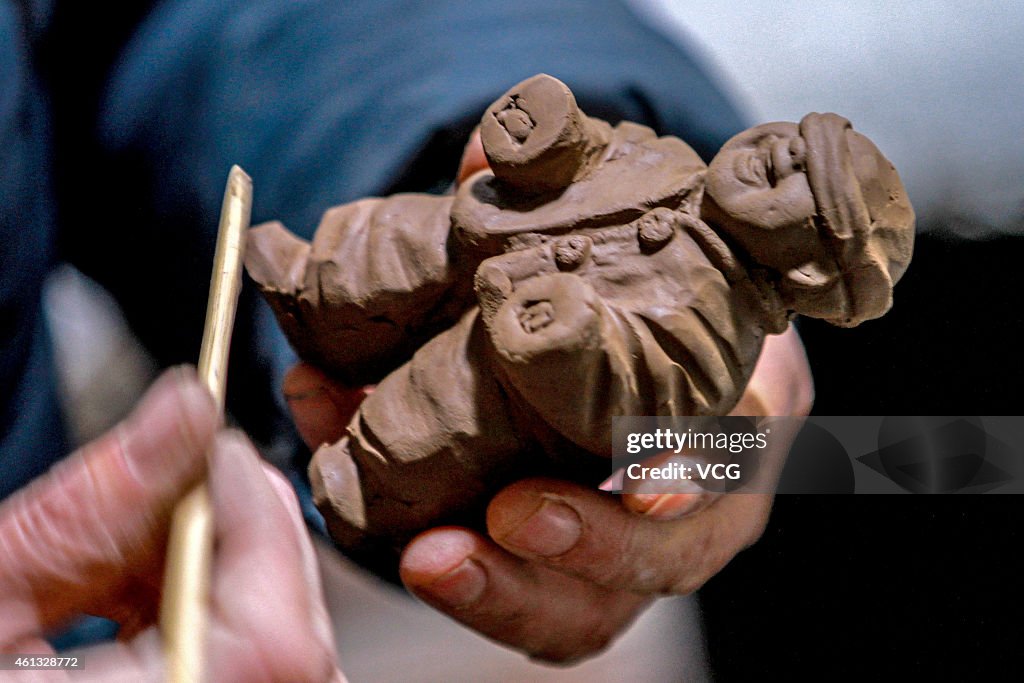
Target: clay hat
865	217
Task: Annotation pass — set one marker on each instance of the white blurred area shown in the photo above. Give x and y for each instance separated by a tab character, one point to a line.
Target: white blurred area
937	84
101	367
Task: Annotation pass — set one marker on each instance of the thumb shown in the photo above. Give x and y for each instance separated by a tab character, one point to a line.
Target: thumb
82	531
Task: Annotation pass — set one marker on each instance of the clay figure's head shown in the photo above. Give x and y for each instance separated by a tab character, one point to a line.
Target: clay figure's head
818	203
536	138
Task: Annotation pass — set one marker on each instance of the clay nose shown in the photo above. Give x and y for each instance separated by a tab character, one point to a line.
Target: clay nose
276	259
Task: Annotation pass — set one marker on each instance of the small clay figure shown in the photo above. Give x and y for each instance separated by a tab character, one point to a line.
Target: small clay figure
594	271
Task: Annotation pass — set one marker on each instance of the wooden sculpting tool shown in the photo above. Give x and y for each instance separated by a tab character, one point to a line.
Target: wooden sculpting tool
190	549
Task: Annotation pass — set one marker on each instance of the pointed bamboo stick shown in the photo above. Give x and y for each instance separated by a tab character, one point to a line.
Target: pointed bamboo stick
190	549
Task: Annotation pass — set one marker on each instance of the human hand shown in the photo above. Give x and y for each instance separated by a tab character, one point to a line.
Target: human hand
90	536
564	568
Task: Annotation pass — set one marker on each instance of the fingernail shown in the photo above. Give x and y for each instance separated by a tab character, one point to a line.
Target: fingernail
460	587
643	502
552	530
664	505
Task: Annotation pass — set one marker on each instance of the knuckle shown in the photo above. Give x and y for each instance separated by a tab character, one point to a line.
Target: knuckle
43	530
755	531
713	549
634	561
696	559
624	563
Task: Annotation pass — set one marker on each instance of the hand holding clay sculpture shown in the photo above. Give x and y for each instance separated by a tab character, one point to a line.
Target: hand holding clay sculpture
594	271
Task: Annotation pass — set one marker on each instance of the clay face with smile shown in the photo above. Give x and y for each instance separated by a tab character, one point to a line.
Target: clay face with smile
758	177
757	184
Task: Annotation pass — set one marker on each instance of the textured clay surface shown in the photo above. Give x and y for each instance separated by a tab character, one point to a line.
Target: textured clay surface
595	271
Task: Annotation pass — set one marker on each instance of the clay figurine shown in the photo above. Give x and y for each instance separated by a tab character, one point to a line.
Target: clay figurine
594	271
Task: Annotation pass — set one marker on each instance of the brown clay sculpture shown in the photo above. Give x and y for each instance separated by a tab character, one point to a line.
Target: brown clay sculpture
594	271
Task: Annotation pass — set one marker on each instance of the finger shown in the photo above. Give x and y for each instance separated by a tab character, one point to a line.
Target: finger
781	384
473	158
667	506
319	617
78	535
320	406
513	601
665	498
268	614
588	534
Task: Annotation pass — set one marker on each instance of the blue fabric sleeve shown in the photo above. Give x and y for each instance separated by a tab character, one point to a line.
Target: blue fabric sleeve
31	431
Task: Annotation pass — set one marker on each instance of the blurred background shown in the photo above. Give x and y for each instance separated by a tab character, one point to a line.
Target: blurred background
939	86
